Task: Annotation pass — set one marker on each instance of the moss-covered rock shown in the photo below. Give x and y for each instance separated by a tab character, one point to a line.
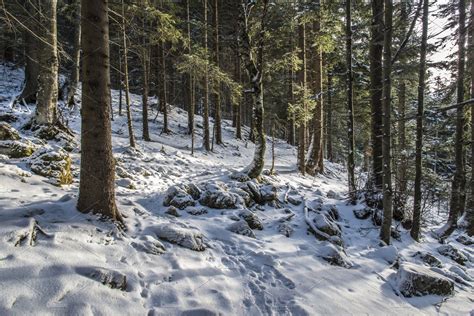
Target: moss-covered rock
53	164
59	134
7	132
16	148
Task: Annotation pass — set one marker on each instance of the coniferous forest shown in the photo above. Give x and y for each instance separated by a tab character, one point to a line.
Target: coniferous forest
236	157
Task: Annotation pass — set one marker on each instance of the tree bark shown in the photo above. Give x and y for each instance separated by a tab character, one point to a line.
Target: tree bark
163	87
189	79
415	230
376	84
217	95
459	174
350	106
302	82
329	119
47	97
470	210
386	148
131	135
75	70
206	134
96	188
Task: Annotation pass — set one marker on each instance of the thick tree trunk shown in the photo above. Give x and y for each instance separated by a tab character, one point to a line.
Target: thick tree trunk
415	230
206	134
376	84
47	96
131	136
217	95
76	56
302	82
315	161
387	146
350	107
459	174
96	188
31	69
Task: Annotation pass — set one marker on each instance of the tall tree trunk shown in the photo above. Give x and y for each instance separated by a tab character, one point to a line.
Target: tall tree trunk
131	136
415	230
74	74
206	134
163	87
238	107
96	188
350	106
120	81
456	199
189	79
376	84
400	197
315	161
254	68
291	99
387	146
329	119
146	71
47	96
302	82
470	209
217	95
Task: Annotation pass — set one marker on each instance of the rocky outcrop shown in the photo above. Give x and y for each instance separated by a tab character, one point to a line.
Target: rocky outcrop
453	253
216	195
16	148
416	280
242	228
252	219
7	132
53	164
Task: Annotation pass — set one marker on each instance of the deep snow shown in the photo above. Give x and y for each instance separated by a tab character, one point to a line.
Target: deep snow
238	275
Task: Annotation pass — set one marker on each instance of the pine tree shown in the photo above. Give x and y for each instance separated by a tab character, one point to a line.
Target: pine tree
96	188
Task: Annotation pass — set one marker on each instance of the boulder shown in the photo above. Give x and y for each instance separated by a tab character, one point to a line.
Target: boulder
177	196
196	211
453	253
16	149
252	219
58	134
363	213
333	195
9	118
173	211
268	193
110	278
416	280
334	255
53	164
182	236
242	228
294	200
149	245
465	240
126	183
324	224
216	195
428	259
7	132
388	253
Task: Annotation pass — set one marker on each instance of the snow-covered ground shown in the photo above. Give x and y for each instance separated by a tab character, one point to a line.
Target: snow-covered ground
234	275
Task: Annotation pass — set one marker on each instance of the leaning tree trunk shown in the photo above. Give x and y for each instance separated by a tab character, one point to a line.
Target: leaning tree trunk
47	96
455	204
131	136
76	56
470	210
350	106
316	154
217	95
376	84
302	82
387	159
96	188
415	230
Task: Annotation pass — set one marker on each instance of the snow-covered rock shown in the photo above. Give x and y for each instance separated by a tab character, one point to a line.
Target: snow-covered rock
324	224
242	228
285	229
7	132
252	219
17	148
452	252
428	259
216	195
53	164
416	280
184	237
110	278
178	196
363	213
334	255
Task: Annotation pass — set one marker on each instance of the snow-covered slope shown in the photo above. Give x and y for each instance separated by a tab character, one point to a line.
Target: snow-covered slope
234	275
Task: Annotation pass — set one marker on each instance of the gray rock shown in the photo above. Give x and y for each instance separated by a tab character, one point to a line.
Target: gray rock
242	228
429	259
182	236
53	164
334	255
217	196
453	253
325	225
196	211
295	200
149	245
416	280
177	196
333	195
363	213
16	148
465	240
110	278
252	219
173	211
7	132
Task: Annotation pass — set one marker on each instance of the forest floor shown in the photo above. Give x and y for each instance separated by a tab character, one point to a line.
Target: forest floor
268	274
